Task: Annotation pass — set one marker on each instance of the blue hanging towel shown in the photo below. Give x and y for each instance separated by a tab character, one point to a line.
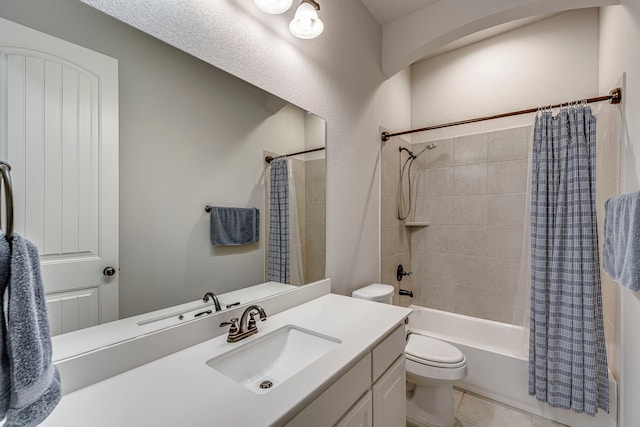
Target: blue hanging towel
234	226
622	239
29	381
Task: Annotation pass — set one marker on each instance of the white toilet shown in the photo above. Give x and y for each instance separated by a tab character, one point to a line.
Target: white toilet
432	368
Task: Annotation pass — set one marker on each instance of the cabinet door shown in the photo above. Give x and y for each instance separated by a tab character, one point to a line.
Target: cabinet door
389	397
361	415
328	408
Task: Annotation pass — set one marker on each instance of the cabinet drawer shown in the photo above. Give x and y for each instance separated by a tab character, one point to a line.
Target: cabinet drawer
385	353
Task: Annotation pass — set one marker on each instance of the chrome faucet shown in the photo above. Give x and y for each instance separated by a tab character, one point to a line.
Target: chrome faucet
245	328
211	295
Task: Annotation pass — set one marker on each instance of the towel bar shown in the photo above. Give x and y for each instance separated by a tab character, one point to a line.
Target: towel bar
5	170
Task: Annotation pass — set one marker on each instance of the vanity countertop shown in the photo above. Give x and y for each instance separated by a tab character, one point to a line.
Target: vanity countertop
181	389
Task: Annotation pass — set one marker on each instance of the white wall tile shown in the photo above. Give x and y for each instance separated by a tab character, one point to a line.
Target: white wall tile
507	177
435	210
434	182
471	300
388	209
470	210
434	267
470	272
470	240
504	242
439	295
505	209
471	179
510	144
435	238
472	149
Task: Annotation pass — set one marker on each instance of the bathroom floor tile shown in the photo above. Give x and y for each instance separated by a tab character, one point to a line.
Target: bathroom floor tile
411	423
457	398
543	422
474	411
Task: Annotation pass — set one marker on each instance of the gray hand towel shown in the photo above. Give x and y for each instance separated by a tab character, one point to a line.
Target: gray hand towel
621	258
234	226
5	379
31	382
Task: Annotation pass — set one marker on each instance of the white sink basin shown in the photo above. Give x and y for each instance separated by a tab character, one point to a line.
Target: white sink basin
273	358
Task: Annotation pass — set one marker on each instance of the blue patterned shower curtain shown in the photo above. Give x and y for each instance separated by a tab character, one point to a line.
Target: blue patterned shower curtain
278	260
567	355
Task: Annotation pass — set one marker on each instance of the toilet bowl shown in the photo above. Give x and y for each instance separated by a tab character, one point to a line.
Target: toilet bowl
432	367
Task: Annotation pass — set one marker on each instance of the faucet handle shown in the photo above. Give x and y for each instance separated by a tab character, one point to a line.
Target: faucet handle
252	321
233	325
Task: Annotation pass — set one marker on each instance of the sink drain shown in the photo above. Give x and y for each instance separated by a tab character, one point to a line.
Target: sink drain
266	384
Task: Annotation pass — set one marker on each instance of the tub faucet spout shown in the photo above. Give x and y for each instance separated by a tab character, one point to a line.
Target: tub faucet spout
211	295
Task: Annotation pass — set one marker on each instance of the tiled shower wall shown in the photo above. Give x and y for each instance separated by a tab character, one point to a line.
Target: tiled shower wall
608	184
395	241
314	231
471	191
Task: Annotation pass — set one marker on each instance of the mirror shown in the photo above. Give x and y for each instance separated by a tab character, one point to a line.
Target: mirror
190	135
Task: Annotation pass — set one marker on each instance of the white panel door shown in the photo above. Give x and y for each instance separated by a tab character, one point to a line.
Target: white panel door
59	121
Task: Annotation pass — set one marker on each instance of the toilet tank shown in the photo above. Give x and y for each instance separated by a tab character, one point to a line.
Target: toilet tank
377	292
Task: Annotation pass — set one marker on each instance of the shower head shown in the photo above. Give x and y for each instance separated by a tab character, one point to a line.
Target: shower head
415	156
428	147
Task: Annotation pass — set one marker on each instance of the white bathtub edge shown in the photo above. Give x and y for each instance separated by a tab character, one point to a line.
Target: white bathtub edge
492	372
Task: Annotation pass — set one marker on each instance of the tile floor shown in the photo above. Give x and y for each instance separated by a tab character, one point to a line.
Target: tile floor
475	411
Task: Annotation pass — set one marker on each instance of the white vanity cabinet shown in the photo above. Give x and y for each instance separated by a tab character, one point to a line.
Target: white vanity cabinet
361	415
358	383
389	397
370	394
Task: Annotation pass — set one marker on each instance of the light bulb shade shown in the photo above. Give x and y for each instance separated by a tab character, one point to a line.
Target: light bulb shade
305	23
273	7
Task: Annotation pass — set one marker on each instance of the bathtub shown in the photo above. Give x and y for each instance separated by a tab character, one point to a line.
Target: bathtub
497	355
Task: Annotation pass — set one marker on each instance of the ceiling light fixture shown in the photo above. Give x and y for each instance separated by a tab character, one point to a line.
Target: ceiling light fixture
306	24
273	7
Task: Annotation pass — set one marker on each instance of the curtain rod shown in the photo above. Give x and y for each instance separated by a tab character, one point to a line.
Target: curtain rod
614	97
269	159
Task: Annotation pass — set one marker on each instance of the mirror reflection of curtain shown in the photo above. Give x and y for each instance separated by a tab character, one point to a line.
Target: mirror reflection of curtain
296	266
285	254
278	260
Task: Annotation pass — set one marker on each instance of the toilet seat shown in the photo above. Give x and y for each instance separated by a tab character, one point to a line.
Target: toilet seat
433	352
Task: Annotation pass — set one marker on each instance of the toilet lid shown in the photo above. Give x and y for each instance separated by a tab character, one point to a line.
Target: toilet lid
373	292
423	349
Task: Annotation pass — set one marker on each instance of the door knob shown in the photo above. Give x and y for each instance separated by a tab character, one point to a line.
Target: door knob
109	271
